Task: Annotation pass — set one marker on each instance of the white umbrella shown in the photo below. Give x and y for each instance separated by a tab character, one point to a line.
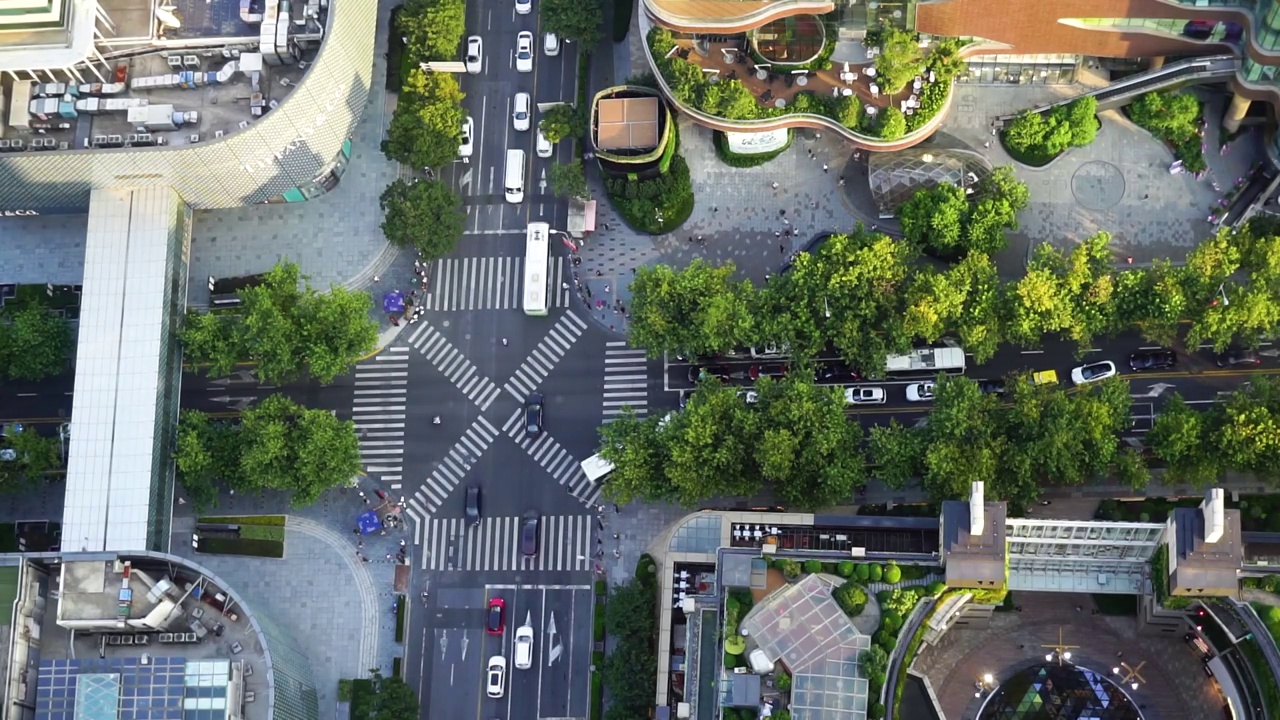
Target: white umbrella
846	67
835	92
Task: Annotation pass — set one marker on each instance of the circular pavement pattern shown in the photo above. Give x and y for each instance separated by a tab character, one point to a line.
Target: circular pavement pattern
1098	185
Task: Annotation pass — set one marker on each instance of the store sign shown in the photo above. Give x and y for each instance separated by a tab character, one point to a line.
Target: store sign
19	213
305	131
756	143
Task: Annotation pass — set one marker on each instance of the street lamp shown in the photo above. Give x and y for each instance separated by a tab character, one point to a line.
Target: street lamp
988	678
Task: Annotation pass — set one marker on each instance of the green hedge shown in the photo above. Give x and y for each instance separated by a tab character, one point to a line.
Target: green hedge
235	546
401	617
397	666
657	205
262	532
272	520
597	627
597	696
737	160
1266	682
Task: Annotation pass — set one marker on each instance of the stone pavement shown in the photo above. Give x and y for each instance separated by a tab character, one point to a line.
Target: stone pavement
1175	685
638	526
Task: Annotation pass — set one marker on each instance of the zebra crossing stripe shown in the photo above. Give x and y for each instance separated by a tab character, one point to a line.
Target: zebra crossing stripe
381	386
540	362
454	366
554	459
489	283
626	380
454	544
453	466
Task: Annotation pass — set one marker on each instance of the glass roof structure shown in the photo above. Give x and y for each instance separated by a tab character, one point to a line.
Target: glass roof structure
895	176
124	688
1080	556
803	627
1059	692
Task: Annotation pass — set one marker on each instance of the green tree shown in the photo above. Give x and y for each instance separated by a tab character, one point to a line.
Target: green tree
391	699
1169	114
1184	439
806	447
294	449
699	310
1131	469
34	456
212	339
730	99
426	215
569	181
848	111
432	29
998	198
1062	438
267	324
573	20
426	128
895	452
893	124
934	220
711	446
639	454
337	330
874	659
195	459
562	121
861	278
964	439
1081	116
1152	300
34	343
900	60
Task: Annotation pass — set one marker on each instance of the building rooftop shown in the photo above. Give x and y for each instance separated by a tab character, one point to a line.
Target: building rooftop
973	559
1203	566
627	124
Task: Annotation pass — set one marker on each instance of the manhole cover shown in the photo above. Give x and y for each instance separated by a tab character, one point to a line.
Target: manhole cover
1098	185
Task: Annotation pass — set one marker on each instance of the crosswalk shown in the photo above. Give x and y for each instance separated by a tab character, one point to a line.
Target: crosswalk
381	385
553	458
564	543
489	283
454	365
626	380
544	357
454	466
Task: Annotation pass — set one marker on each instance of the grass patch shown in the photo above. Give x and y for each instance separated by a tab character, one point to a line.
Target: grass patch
738	160
344	690
239	546
262	532
1116	604
597	696
602	588
402	611
1266	682
270	520
397	668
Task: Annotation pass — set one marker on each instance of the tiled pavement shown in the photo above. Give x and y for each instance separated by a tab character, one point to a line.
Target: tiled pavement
1175	688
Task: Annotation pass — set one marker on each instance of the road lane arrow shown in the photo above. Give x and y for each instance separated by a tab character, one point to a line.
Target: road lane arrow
554	654
1154	391
551	629
1270	353
444	642
239	376
236	403
464	646
542	183
464	180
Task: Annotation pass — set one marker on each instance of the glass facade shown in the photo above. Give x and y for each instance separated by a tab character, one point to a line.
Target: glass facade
1062	692
1080	556
1039	69
895	177
295	684
170	375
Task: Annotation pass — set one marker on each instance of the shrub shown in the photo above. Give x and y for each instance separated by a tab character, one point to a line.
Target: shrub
782	680
876	573
892	574
812	566
735	644
936	587
790	569
875	711
851	597
1037	138
862	572
401	611
885	640
730	661
845	569
656	205
890	621
597	627
1174	117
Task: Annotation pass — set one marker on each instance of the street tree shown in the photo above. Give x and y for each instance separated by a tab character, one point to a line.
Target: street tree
426	215
1208	266
1064	438
639	454
207	455
979	324
866	275
563	121
964	439
213	339
389	699
900	59
432	29
573	20
1248	432
290	448
1167	113
711	446
934	219
1152	300
426	128
34	457
267	321
698	310
895	452
806	447
997	200
337	330
893	124
34	343
1089	277
569	181
1250	313
1184	439
1131	469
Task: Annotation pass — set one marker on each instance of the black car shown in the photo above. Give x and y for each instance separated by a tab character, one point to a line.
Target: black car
698	373
533	415
1238	357
1152	360
473	504
529	534
836	373
991	387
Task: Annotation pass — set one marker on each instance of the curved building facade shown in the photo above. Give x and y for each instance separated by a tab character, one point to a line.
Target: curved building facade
284	152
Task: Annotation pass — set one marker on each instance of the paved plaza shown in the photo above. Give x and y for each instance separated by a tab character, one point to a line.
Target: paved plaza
1175	687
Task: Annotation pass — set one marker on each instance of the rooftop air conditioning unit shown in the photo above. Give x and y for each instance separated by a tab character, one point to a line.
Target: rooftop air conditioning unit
133	139
217	134
99	139
4	144
63	145
284	82
194	138
16	144
244	124
116	139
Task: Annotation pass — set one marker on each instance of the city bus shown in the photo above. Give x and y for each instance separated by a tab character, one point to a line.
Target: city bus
926	362
537	250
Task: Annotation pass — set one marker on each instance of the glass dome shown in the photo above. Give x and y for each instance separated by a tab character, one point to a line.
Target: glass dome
1059	692
895	176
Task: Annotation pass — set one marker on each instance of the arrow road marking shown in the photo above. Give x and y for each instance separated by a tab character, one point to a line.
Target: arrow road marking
1155	391
551	628
464	646
237	403
554	654
444	642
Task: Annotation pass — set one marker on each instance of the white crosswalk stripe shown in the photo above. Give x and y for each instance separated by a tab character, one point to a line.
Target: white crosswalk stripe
377	408
544	357
626	380
553	458
564	543
489	283
455	366
453	467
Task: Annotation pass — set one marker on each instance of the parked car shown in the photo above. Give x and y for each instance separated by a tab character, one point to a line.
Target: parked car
475	55
533	415
523	650
551	44
991	387
774	370
473	504
524	52
836	373
521	112
750	397
529	534
496	677
1231	358
466	143
866	395
494	622
920	392
544	146
698	373
1152	360
1093	372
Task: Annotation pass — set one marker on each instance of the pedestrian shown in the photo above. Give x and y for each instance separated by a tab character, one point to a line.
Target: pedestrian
986	144
777	233
785	221
361	492
782	249
824	167
606	288
364	559
356	532
388	556
1146	195
617	553
401	542
633	271
715	209
376	278
616	536
782	213
600	508
775	184
599	274
616	509
504	342
841	182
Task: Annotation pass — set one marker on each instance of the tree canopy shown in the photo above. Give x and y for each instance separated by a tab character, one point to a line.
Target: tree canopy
1037	138
432	29
35	343
573	20
569	181
426	127
425	215
900	59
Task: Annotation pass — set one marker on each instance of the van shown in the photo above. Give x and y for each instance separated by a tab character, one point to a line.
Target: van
515	176
596	467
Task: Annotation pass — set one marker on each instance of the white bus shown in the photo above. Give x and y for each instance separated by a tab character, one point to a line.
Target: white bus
537	257
926	362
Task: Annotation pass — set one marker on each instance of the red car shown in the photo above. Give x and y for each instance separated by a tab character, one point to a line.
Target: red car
494	624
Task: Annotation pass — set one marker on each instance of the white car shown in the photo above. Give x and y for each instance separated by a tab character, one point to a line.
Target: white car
544	146
1093	372
475	54
520	114
920	392
496	677
750	397
551	44
466	144
524	647
524	52
864	395
524	7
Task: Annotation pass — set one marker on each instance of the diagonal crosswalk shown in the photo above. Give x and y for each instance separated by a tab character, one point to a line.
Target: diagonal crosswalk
377	408
544	357
488	283
454	466
454	365
626	380
564	543
553	458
